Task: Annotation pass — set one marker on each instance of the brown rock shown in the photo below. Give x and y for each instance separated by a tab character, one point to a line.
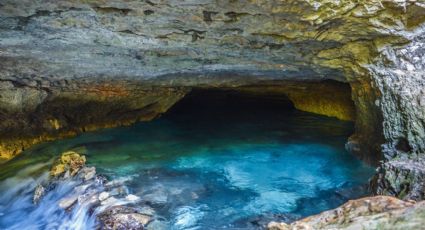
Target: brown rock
69	162
383	212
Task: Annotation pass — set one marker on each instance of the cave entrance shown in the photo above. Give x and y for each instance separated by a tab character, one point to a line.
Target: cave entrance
229	105
251	155
222	158
328	98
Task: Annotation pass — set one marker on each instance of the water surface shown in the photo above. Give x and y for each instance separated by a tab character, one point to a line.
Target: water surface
205	165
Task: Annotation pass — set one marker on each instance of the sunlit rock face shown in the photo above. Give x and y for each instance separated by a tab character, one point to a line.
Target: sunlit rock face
379	212
31	115
159	50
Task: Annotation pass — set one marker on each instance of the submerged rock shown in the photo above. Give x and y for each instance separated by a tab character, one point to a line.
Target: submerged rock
121	217
380	212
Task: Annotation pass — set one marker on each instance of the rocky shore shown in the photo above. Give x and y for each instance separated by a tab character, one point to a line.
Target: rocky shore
379	212
93	195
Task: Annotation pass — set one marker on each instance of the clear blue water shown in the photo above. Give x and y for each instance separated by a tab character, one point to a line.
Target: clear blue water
217	164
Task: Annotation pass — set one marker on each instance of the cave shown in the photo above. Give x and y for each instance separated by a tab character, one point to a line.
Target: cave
218	158
92	89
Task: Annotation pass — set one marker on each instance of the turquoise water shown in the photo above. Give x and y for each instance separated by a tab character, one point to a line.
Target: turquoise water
218	164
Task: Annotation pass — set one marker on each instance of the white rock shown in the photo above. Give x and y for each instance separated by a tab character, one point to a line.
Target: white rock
103	196
132	197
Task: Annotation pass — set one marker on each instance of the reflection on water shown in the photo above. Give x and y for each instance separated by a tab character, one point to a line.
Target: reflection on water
228	165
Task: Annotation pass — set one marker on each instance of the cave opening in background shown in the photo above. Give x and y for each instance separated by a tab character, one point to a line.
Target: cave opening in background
220	158
228	105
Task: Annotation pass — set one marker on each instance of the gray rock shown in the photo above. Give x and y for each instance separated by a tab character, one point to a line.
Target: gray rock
103	196
68	202
88	173
38	193
380	212
121	217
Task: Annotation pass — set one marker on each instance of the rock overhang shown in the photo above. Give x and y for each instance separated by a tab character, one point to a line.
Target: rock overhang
46	46
118	38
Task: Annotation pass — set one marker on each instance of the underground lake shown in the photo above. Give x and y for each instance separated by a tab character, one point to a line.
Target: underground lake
216	160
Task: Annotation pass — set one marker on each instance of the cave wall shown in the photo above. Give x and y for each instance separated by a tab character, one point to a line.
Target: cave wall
373	45
38	113
400	77
329	98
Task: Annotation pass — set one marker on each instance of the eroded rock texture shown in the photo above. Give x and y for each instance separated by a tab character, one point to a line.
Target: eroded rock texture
380	212
75	65
36	113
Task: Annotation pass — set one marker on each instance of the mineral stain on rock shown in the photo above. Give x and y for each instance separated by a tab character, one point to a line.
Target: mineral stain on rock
69	164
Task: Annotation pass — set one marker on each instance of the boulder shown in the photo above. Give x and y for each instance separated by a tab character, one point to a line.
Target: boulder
38	193
379	212
121	217
69	164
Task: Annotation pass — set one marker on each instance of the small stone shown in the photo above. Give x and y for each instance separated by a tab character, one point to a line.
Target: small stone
82	188
109	202
103	196
117	182
89	173
121	217
38	193
132	198
66	203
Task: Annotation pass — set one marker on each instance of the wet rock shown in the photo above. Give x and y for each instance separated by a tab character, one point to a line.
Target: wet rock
38	193
380	212
117	183
110	201
69	164
146	210
119	191
121	217
88	173
132	198
68	202
159	195
94	193
103	196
